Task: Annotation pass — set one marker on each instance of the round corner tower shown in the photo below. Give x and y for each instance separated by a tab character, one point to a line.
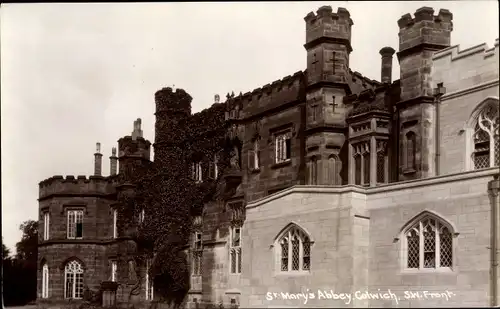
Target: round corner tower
173	109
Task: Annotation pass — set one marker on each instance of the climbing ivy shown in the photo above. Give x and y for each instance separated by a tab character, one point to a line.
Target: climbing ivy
170	200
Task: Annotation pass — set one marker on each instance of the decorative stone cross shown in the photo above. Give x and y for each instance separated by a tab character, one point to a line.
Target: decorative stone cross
333	104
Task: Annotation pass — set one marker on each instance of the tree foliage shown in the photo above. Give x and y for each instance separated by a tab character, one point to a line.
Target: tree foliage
20	272
5	252
27	248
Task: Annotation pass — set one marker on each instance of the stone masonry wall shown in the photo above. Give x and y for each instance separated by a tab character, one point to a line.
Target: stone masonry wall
257	184
97	217
469	76
329	221
90	250
354	248
462	200
56	256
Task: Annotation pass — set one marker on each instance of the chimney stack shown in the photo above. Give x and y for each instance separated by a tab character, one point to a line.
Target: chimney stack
113	166
137	129
98	161
386	71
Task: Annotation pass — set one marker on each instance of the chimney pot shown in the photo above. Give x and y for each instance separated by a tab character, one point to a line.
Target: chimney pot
386	68
98	160
113	162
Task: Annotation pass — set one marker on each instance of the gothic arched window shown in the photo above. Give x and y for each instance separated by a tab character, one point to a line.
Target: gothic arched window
73	280
366	168
411	149
429	244
334	166
45	281
294	250
235	249
357	169
486	151
313	171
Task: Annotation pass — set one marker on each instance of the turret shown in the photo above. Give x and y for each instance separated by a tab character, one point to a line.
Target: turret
419	38
133	149
173	109
328	45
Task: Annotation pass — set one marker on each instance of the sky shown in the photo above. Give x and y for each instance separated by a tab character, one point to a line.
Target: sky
76	74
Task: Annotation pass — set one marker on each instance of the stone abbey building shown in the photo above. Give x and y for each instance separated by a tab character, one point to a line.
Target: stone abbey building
342	188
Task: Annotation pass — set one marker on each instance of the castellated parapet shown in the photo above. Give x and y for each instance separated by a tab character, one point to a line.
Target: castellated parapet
138	147
328	24
77	186
173	110
462	69
178	101
478	52
425	29
269	96
419	39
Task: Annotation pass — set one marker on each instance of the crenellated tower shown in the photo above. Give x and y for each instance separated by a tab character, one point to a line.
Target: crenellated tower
133	150
328	45
173	109
419	38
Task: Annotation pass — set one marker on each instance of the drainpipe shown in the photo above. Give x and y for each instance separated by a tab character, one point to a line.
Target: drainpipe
438	93
493	187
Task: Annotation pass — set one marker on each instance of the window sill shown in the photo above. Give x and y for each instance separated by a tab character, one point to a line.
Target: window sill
294	273
441	270
281	164
408	171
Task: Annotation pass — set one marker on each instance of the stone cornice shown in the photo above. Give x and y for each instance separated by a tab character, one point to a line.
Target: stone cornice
475	88
490	172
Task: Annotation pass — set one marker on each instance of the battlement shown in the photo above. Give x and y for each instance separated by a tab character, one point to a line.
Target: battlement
130	146
325	13
478	51
270	95
425	30
367	101
168	100
425	14
328	24
79	185
462	69
355	76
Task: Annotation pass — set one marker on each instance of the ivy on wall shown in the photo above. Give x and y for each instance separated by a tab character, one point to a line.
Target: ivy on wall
171	199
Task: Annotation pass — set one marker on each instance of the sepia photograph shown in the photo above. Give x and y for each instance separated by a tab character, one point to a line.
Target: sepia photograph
211	155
